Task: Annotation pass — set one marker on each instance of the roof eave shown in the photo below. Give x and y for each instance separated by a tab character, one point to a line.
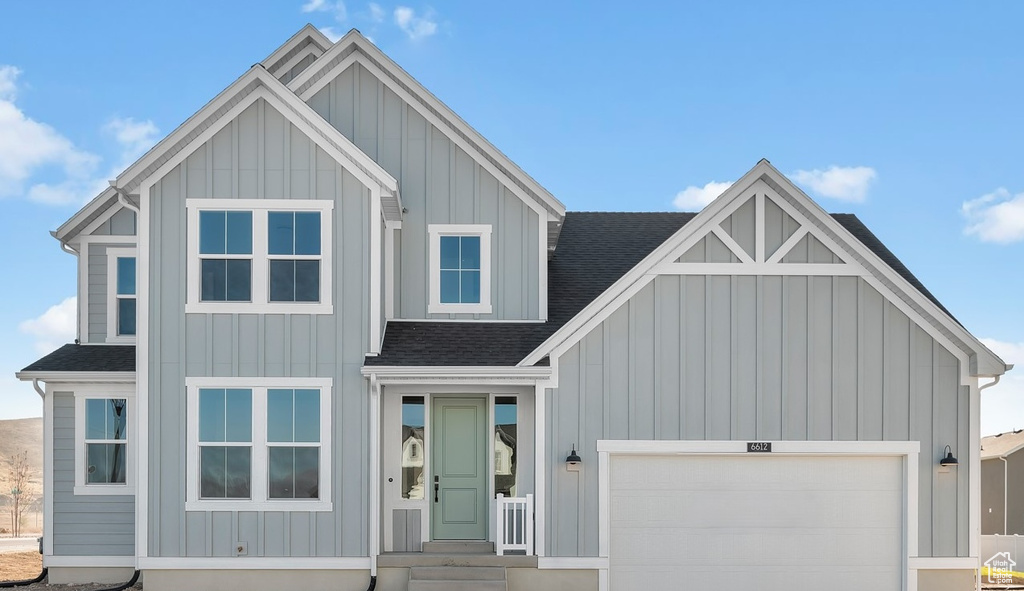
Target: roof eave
116	377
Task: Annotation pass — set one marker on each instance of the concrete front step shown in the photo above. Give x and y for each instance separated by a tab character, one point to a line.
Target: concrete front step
415	559
458	547
457	585
454	573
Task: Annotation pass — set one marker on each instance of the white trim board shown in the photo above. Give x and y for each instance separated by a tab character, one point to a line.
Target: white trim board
308	31
256	563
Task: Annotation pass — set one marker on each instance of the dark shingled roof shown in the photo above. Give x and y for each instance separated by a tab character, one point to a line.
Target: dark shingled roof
594	250
87	358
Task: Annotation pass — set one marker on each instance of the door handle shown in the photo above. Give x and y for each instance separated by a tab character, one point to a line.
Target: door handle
437	486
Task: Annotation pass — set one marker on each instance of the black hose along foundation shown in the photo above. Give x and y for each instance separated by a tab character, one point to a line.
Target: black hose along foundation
42	575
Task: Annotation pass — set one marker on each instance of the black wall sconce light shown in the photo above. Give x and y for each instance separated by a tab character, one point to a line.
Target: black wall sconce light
949	460
573	460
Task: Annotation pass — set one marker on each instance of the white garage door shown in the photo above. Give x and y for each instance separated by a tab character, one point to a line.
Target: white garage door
766	522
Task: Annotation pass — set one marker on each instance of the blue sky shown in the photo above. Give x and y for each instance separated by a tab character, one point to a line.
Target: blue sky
907	116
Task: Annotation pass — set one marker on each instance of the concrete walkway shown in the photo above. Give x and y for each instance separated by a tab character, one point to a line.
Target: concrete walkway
8	545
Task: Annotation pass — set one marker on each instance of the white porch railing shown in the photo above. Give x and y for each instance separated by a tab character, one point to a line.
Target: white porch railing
514	524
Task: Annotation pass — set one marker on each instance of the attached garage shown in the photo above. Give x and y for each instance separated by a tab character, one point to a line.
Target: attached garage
807	515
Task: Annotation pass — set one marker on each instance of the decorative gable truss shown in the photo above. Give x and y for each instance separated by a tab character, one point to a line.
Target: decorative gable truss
765	225
759	233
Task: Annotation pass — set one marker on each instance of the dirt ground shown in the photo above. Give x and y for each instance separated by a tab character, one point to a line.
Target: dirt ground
20	565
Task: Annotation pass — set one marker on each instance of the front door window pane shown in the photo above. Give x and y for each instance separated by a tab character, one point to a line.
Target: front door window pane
413	447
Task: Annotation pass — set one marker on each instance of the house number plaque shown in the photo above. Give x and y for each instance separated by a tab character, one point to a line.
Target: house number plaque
759	447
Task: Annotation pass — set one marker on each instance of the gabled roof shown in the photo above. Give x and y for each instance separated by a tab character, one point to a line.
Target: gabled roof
85	358
99	205
353	46
308	40
258	83
594	252
1002	445
905	290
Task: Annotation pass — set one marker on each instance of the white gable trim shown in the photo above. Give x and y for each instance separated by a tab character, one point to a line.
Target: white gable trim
314	78
294	110
868	265
309	50
319	41
64	232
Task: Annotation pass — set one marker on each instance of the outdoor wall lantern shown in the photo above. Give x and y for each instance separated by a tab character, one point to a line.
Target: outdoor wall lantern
949	460
573	460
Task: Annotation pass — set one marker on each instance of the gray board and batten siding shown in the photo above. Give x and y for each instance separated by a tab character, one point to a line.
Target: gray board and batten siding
259	155
84	525
440	184
758	358
121	223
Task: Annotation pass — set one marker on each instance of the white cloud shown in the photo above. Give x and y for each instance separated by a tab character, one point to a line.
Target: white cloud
331	34
338	8
997	217
1002	406
845	183
416	27
9	82
53	328
316	6
28	146
377	13
694	197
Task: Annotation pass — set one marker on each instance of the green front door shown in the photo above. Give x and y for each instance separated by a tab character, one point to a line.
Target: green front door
459	487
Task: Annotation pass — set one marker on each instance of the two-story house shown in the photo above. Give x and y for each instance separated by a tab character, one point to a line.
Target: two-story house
324	324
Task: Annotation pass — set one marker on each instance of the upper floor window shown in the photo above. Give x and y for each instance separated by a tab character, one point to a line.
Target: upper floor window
121	299
259	444
460	269
102	432
259	256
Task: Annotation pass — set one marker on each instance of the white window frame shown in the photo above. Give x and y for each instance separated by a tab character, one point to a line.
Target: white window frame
110	391
112	255
260	499
260	286
435	232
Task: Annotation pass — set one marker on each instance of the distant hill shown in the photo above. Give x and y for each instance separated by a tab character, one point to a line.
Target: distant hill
18	436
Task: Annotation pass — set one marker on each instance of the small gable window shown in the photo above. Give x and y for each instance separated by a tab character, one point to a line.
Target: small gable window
460	278
122	292
259	256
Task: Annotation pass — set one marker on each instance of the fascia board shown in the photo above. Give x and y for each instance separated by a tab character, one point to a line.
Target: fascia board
381	176
297	112
594	309
308	31
91	377
67	230
978	351
131	173
385	371
458	126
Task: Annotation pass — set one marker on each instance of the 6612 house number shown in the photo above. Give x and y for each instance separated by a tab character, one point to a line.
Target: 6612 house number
759	447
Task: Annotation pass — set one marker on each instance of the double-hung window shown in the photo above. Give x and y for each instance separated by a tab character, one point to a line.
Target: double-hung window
460	269
121	294
259	444
103	428
259	256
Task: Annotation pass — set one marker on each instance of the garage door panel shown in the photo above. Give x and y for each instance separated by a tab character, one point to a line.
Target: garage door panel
796	522
792	509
